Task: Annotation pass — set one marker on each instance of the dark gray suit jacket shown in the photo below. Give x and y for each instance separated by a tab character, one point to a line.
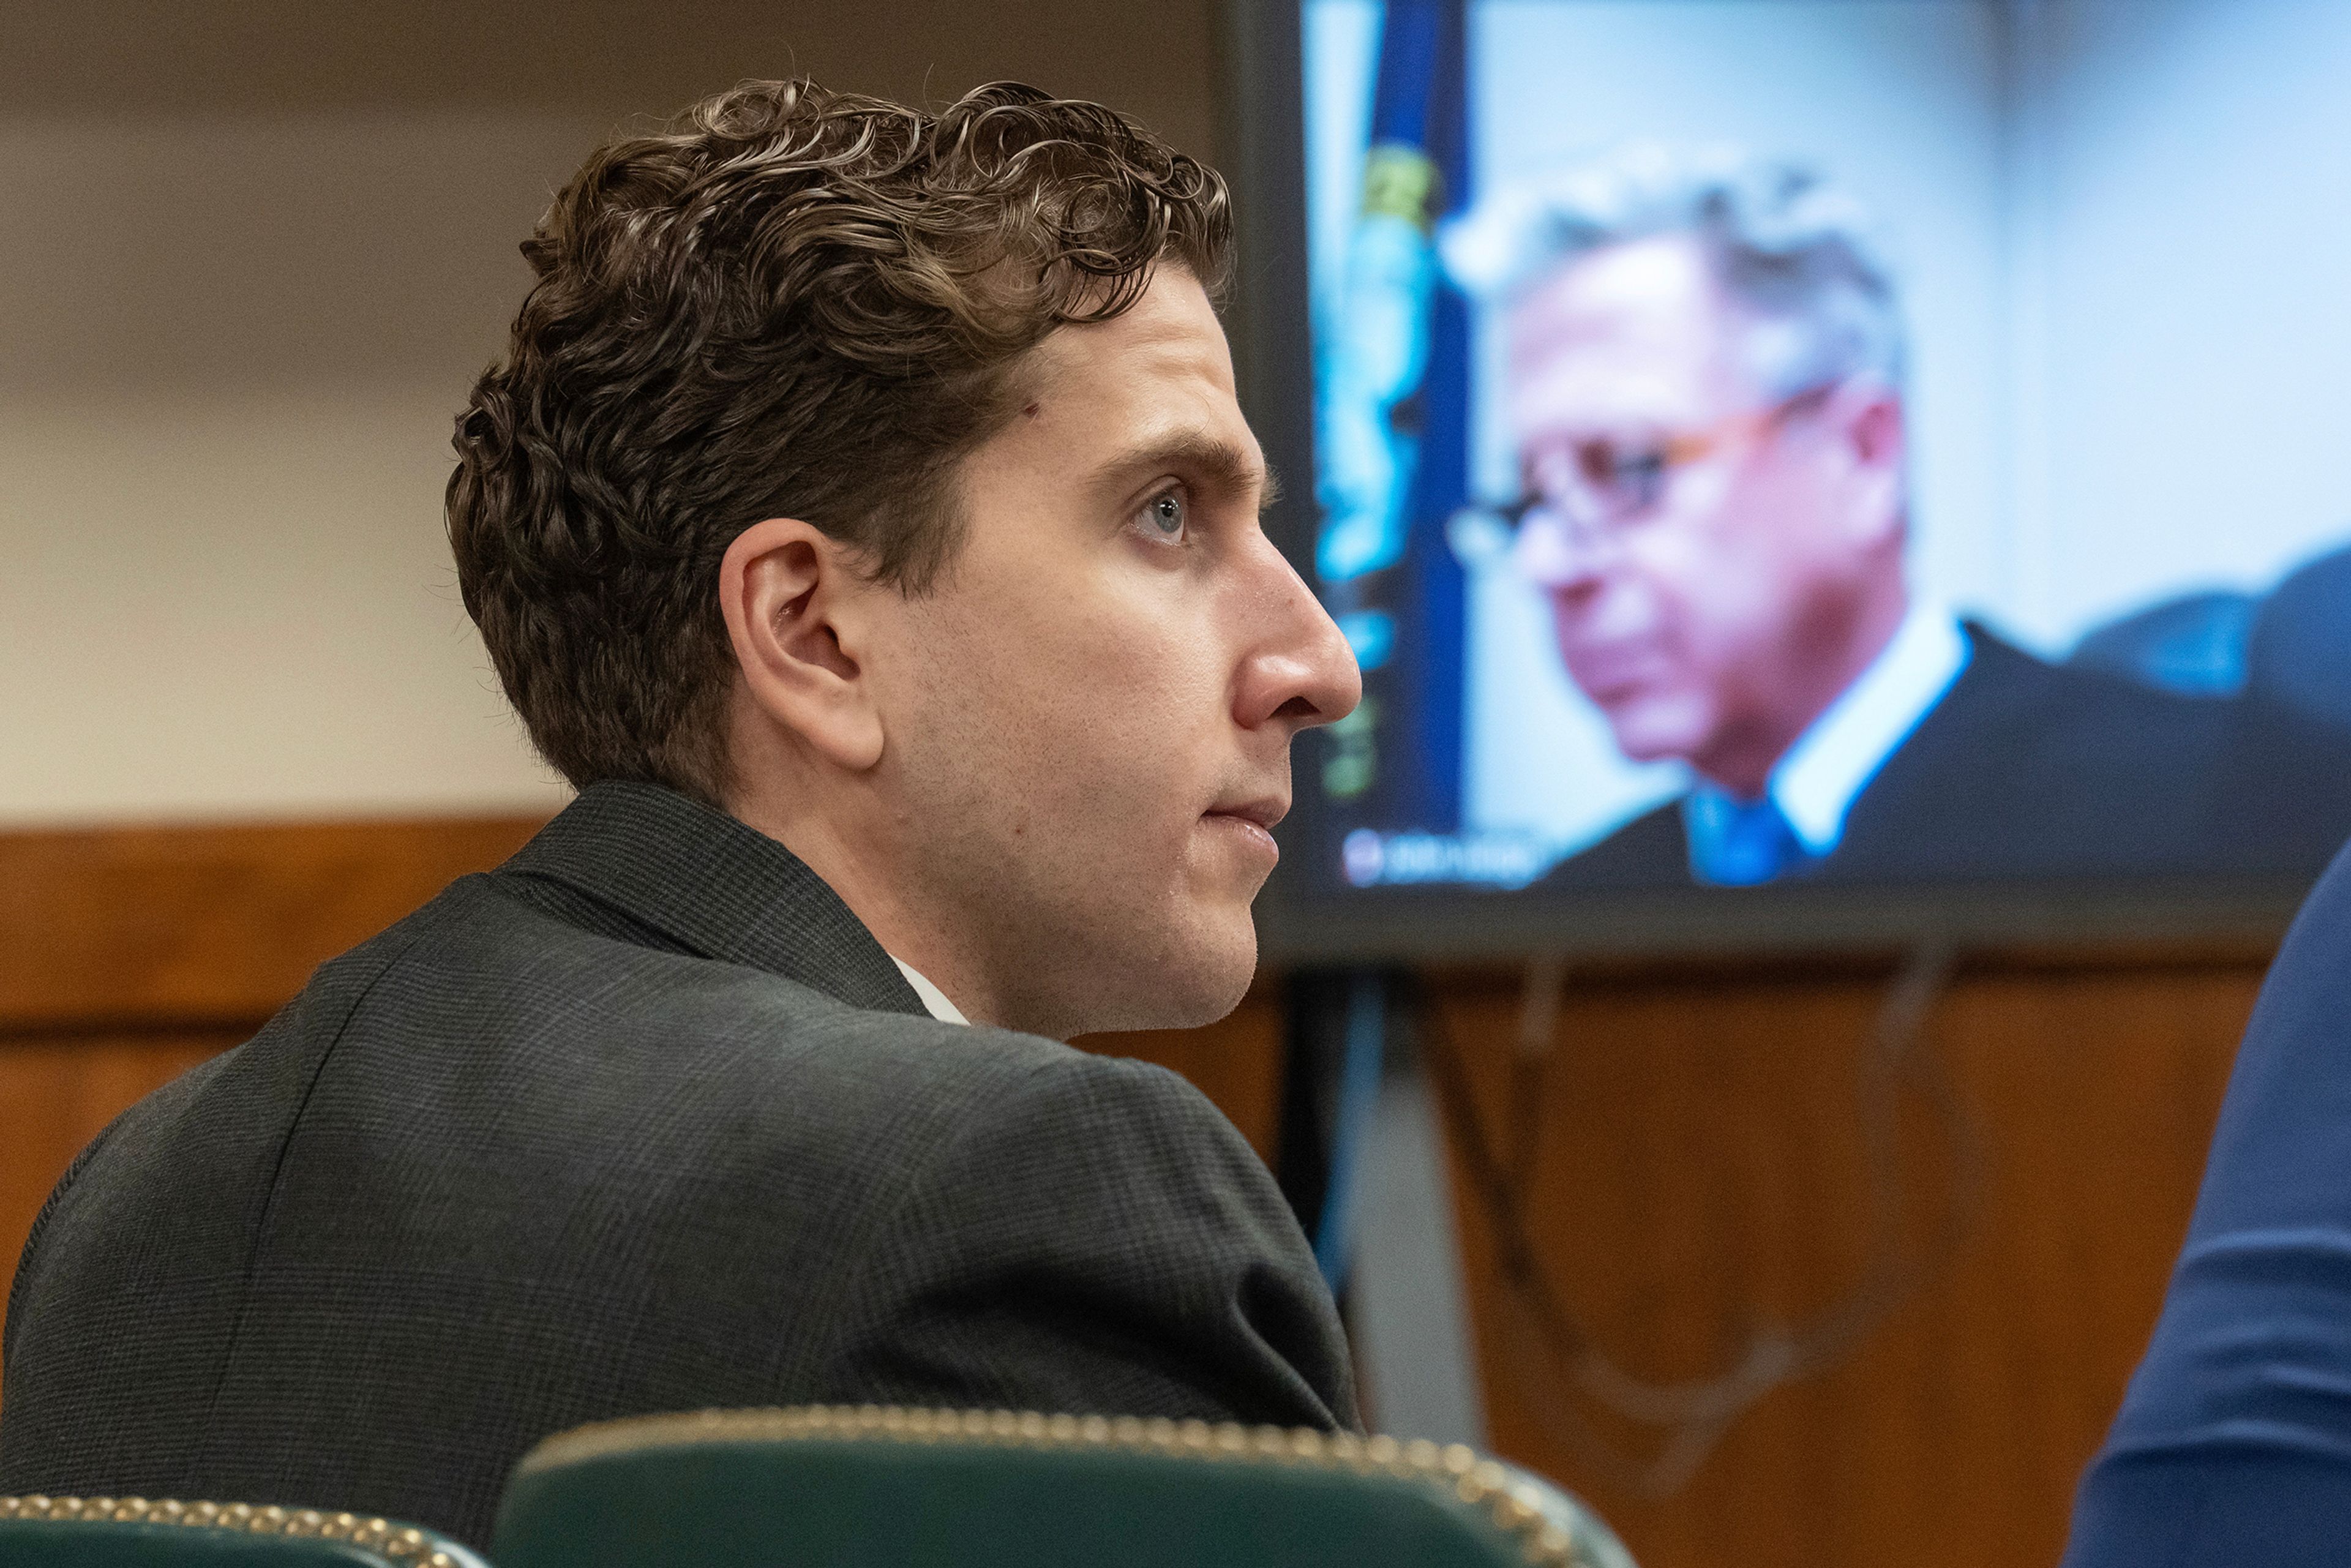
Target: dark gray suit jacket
645	1120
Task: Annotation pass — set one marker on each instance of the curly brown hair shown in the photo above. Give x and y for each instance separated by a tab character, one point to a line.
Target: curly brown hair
787	302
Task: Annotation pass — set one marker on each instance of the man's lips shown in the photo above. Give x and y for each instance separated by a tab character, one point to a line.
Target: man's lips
1252	820
1265	810
1607	672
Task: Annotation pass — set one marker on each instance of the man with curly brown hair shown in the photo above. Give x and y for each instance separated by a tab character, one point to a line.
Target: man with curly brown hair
862	520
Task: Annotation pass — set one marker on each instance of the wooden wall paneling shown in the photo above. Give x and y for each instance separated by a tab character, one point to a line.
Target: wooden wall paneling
174	923
1701	1170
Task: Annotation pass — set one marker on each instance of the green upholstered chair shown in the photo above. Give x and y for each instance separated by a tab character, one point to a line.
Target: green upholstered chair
823	1487
132	1532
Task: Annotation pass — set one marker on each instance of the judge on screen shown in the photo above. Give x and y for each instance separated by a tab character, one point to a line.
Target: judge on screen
1705	383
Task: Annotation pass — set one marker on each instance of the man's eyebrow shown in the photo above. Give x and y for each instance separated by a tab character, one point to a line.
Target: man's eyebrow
1212	460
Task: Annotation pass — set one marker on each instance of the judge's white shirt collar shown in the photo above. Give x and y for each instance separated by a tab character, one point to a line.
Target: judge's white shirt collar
1816	783
933	997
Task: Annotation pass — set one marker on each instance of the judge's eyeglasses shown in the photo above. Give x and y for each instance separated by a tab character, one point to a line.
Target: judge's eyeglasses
1599	489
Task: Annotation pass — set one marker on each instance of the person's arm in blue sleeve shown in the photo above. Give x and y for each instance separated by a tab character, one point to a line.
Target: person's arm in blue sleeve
2234	1445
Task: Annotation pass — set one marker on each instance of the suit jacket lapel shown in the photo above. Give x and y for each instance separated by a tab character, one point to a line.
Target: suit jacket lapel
716	888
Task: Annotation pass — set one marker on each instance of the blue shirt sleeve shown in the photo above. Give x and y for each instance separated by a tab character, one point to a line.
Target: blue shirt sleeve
2234	1445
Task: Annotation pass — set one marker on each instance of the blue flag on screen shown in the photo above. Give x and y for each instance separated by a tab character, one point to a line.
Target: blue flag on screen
1392	441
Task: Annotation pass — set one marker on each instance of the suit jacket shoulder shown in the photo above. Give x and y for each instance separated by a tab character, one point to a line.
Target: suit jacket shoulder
643	1122
1115	1183
2027	769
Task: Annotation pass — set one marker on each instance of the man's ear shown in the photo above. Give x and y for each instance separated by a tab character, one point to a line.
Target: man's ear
1867	417
795	607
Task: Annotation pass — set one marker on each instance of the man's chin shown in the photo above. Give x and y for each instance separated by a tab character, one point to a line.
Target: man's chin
1194	982
1654	731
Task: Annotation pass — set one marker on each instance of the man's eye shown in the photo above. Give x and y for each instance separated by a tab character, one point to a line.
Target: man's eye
1622	478
1164	516
1640	477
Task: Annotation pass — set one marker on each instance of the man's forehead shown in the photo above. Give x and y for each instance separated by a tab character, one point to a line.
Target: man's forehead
1658	291
1159	375
1150	389
1630	324
1171	330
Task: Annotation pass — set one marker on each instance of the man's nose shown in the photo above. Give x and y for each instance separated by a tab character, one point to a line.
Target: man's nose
1300	673
1554	557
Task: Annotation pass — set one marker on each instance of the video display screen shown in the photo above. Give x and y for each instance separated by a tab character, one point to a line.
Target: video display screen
1769	443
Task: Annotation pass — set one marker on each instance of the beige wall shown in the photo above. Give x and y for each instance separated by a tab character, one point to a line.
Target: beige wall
251	257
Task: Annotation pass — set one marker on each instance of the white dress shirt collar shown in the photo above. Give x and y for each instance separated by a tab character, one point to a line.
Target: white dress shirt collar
933	997
1816	783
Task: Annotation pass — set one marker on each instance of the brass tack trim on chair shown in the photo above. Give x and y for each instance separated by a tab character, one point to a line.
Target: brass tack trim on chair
1517	1510
400	1543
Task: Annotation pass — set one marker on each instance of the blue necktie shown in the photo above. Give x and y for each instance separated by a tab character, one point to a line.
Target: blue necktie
1737	844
